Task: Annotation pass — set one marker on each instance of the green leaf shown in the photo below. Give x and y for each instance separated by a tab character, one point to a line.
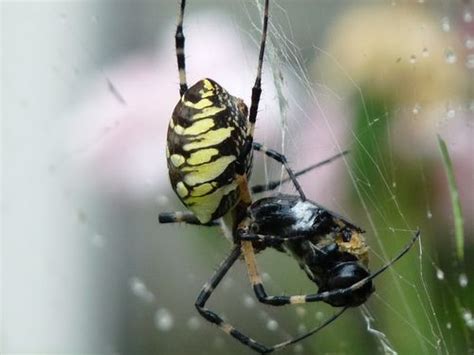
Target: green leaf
455	201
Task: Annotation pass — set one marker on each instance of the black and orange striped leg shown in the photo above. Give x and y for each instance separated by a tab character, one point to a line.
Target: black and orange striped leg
213	317
282	160
179	42
257	284
183	217
274	184
256	281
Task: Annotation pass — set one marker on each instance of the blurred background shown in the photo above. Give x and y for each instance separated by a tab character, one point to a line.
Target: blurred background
87	92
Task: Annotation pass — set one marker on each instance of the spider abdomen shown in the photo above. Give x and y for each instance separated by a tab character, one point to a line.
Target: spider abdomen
206	136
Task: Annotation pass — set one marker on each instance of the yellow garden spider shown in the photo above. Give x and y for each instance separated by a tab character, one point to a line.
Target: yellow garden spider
209	154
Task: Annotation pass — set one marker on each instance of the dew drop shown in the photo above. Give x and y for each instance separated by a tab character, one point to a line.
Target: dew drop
469	42
300	311
470	61
194	323
298	348
227	283
449	325
249	301
272	325
413	59
302	329
463	281
98	240
162	200
319	315
164	320
429	214
425	52
440	274
266	277
416	109
450	113
450	56
467	17
467	315
140	290
445	24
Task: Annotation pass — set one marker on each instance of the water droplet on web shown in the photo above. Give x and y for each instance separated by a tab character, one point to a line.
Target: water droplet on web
164	320
440	274
227	283
162	201
272	325
140	290
467	316
449	325
249	301
450	56
425	52
319	315
302	329
467	16
445	24
194	323
98	240
470	61
450	113
298	348
266	277
416	109
300	311
469	42
413	59
429	214
463	281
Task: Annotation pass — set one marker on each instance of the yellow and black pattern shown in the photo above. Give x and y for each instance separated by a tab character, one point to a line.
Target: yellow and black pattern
206	137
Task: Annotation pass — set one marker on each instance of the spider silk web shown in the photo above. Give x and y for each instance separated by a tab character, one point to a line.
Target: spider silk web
378	79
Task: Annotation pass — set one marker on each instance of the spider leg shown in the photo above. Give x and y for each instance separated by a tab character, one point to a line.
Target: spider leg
257	87
256	92
274	184
281	159
179	43
257	283
183	217
214	318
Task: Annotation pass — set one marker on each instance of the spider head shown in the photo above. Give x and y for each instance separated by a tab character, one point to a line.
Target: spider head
344	275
